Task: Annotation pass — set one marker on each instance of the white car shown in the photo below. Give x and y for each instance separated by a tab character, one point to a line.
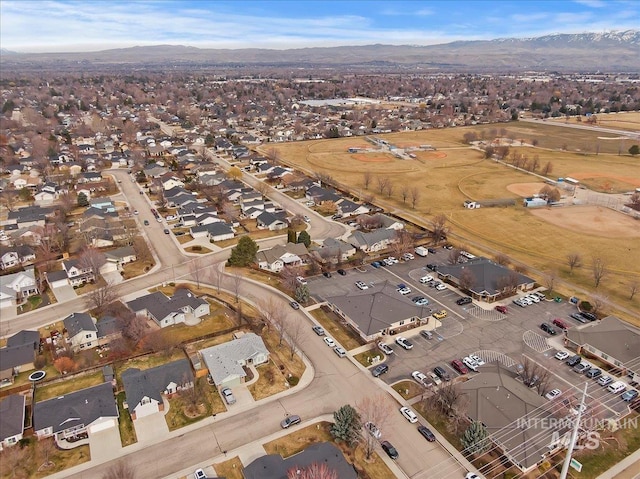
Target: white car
199	474
361	285
441	287
404	342
471	475
408	256
372	429
477	359
404	291
561	355
554	393
426	279
301	280
434	378
470	363
385	348
533	298
419	377
392	259
329	341
409	414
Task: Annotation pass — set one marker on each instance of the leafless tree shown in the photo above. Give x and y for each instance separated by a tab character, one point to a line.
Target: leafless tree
550	280
414	194
440	228
134	326
382	182
314	470
295	332
634	285
157	342
92	259
214	275
14	458
120	470
597	303
45	448
99	298
366	179
288	277
270	311
574	260
403	242
551	193
237	286
453	256
404	192
449	398
502	259
467	279
376	410
196	268
547	168
142	250
9	199
389	189
192	396
599	270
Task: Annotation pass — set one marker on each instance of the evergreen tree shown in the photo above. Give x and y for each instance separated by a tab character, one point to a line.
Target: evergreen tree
634	150
474	438
347	425
244	253
291	236
83	200
302	293
304	237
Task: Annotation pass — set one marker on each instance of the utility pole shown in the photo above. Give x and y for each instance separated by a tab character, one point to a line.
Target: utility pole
574	436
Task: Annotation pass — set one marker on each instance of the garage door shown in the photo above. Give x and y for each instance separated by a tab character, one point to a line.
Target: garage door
101	426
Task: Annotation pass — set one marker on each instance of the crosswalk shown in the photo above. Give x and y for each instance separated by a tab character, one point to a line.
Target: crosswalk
535	341
486	314
491	356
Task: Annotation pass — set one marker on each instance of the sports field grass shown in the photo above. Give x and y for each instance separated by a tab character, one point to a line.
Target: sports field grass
457	172
619	121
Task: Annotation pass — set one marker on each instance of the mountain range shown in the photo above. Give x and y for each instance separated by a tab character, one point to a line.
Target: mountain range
615	51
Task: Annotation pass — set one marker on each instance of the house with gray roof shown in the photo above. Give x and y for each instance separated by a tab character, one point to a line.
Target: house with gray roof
612	341
117	258
225	361
183	306
497	399
12	413
218	231
320	195
486	280
350	208
332	249
380	220
16	256
376	240
378	311
19	354
272	221
146	388
77	273
81	331
16	287
76	415
279	256
273	466
108	329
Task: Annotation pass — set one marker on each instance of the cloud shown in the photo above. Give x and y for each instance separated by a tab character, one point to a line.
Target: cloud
591	3
424	12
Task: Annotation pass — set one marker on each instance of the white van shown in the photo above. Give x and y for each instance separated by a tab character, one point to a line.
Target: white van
617	387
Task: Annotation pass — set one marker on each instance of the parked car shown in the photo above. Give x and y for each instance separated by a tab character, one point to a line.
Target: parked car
166	231
372	429
329	341
306	219
404	342
548	328
290	421
389	449
361	285
319	330
442	373
420	377
294	305
434	378
301	280
146	222
588	316
409	414
581	368
199	474
554	393
432	267
408	256
532	381
420	300
629	395
561	355
459	366
573	360
228	396
376	264
385	348
426	334
560	323
578	317
341	272
441	287
520	302
404	291
593	373
379	370
426	279
478	360
501	309
426	433
326	274
464	300
605	380
135	212
440	314
340	351
470	363
431	250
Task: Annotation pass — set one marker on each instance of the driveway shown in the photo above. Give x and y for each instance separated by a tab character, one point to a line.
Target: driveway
150	428
105	445
64	293
113	277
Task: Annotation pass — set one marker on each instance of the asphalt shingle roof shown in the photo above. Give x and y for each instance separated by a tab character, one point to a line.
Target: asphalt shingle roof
11	416
153	382
224	359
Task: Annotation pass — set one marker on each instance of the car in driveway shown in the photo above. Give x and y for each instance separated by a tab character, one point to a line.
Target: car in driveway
546	327
385	348
228	396
426	433
440	314
442	373
294	304
379	370
326	274
554	393
459	366
409	414
389	449
373	429
290	421
561	355
420	300
420	377
329	341
501	309
464	300
404	342
319	330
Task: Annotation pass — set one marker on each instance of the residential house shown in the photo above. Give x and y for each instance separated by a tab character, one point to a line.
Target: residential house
82	332
145	389
225	361
77	273
29	216
170	181
320	195
276	258
17	256
57	279
378	311
117	258
12	415
183	306
335	250
372	241
17	287
19	354
105	204
76	415
154	170
484	279
108	329
48	193
219	231
611	341
348	208
273	466
381	221
272	221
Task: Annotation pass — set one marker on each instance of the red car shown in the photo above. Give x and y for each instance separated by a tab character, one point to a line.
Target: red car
458	366
501	309
560	323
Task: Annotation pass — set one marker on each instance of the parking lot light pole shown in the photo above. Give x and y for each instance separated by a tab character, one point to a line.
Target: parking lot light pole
574	436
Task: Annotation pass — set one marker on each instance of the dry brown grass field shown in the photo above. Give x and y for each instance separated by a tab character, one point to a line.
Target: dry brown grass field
455	172
619	121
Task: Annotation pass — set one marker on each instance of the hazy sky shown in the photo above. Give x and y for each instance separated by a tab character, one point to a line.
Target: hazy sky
80	25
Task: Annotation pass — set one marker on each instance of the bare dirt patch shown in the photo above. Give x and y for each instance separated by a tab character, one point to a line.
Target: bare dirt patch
525	189
371	158
431	155
628	181
591	220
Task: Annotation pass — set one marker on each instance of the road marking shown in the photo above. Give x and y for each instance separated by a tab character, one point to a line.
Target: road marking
486	314
491	356
535	341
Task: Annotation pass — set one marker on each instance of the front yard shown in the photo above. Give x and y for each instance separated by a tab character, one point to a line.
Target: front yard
194	406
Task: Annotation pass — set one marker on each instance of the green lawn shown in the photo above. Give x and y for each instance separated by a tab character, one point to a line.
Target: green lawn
60	388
